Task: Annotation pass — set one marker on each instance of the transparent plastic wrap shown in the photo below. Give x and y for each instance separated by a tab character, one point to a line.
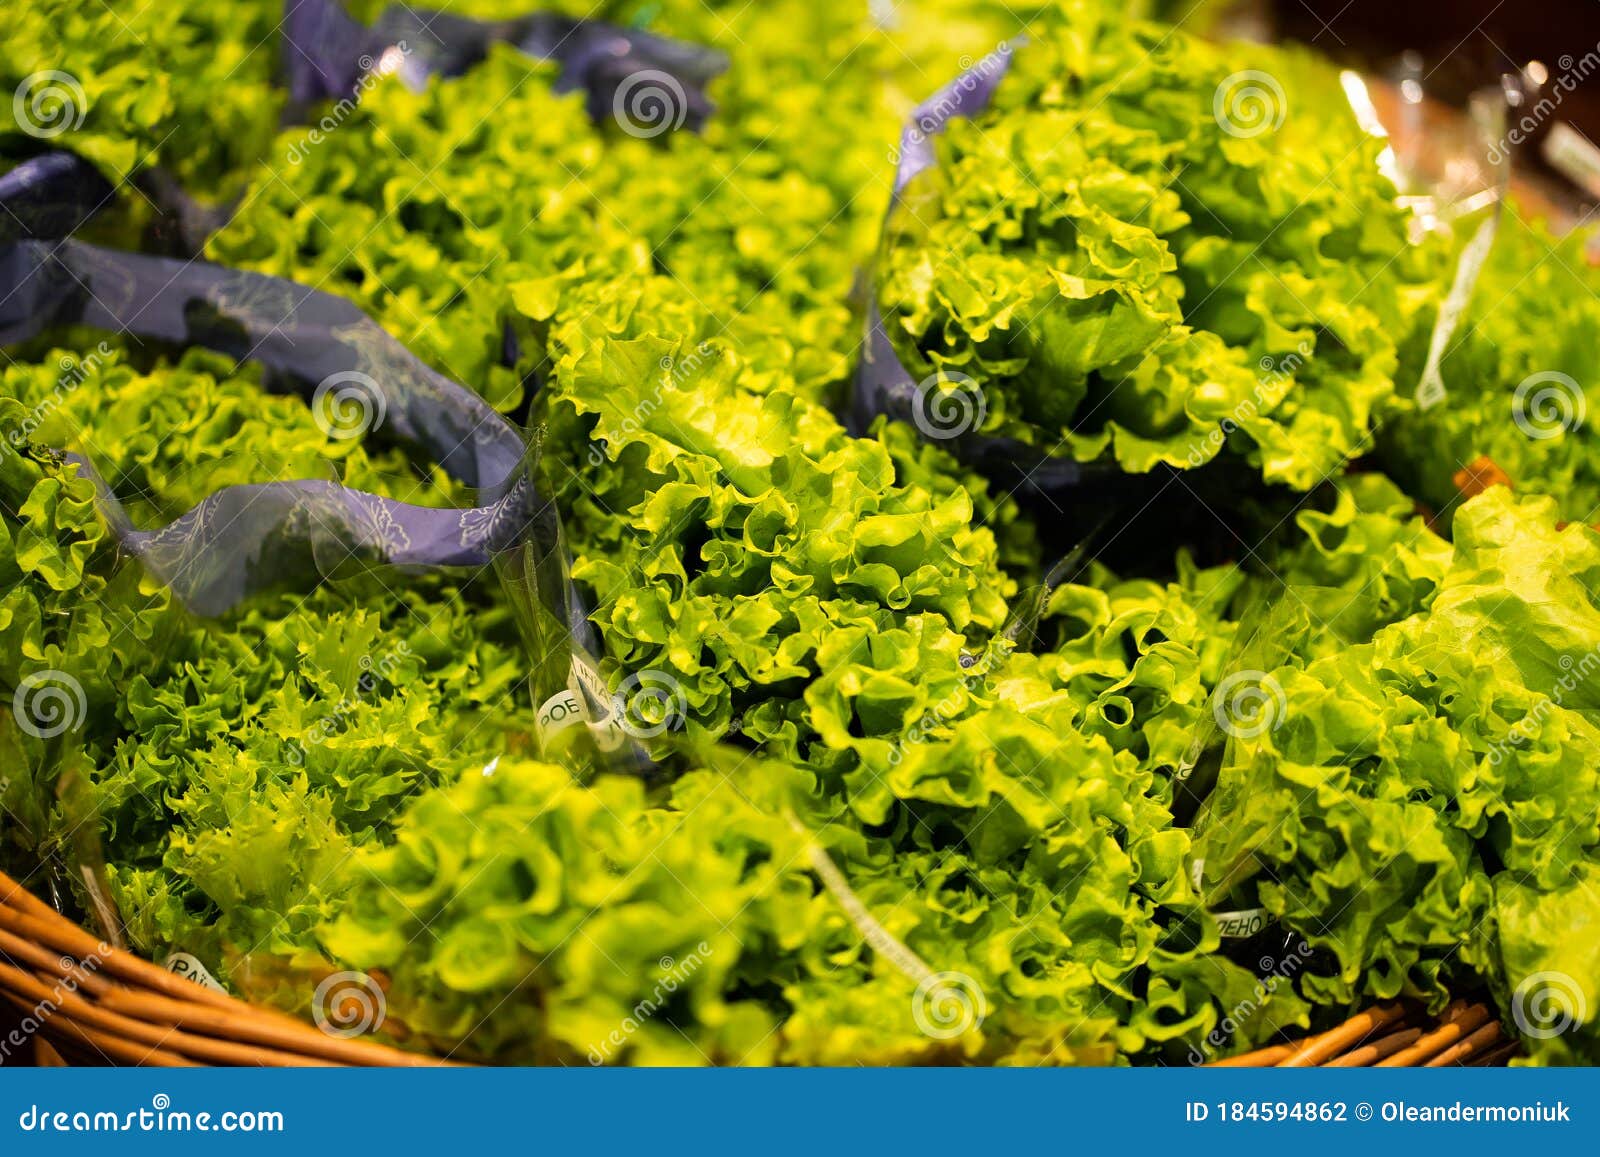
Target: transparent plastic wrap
331	54
296	534
579	722
1050	355
50	195
252	539
357	378
941	408
331	57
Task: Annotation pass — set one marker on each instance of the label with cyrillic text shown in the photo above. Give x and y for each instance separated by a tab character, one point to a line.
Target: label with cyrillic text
189	968
559	712
1241	925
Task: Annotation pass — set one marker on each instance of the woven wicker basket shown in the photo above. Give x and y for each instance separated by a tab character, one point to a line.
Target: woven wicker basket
1394	1036
98	1005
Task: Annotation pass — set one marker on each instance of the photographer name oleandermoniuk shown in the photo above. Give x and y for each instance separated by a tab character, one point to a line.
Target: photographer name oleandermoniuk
1393	1112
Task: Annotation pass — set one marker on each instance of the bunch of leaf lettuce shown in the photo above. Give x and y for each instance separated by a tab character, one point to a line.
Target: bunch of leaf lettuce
521	916
844	609
217	767
737	539
1156	249
343	781
335	782
1520	381
1426	795
185	84
526	214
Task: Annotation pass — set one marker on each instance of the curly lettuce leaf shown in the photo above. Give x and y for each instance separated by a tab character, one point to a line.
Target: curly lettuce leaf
1157	249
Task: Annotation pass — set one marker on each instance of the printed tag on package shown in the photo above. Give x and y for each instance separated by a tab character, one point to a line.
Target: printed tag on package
559	712
586	685
1240	925
567	707
189	967
1570	153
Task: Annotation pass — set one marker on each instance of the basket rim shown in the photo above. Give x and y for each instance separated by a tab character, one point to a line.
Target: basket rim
125	1009
128	1010
1395	1034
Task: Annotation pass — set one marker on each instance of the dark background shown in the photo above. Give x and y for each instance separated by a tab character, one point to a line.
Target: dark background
1464	43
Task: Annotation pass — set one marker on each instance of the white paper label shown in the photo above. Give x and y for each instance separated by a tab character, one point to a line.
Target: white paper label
189	967
1240	925
559	712
584	679
569	706
1571	153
